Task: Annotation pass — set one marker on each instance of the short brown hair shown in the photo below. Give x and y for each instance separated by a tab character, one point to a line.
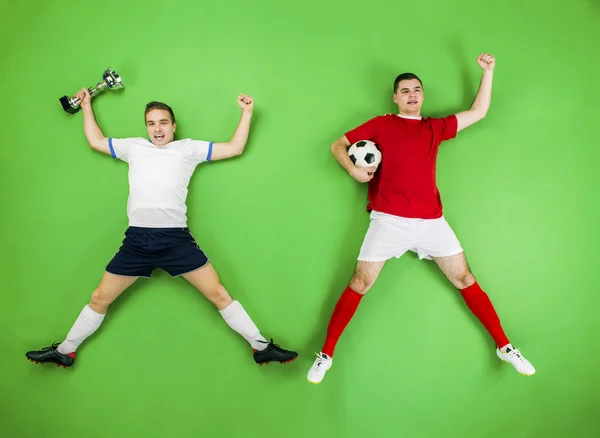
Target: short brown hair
405	77
161	106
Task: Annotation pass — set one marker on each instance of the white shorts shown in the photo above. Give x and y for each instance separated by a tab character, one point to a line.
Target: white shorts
391	236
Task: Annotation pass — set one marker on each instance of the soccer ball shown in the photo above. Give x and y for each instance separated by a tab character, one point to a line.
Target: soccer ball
364	153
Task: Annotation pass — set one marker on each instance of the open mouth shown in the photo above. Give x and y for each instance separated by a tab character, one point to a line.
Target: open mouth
412	102
159	137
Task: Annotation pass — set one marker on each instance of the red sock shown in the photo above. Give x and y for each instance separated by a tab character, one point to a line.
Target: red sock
342	314
481	306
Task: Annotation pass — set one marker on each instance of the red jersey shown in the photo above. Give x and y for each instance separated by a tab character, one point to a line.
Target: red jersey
405	184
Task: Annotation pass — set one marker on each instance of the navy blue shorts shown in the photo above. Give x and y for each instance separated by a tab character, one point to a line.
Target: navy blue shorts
145	249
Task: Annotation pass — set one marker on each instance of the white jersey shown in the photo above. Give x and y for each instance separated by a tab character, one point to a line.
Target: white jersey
159	178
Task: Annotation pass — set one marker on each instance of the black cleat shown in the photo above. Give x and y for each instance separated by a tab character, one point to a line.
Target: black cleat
50	354
273	353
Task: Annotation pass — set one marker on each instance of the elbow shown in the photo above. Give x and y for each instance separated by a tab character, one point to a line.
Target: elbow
480	111
99	144
341	144
478	114
236	151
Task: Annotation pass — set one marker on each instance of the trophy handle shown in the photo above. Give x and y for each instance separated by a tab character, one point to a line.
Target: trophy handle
101	86
75	101
111	81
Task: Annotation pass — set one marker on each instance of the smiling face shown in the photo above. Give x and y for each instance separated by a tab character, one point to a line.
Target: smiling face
409	97
160	126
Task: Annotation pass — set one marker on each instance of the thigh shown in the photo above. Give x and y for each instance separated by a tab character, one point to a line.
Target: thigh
365	275
207	282
388	236
456	269
109	289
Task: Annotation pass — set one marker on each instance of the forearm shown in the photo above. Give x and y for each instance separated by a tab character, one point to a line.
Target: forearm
93	133
340	152
481	104
240	137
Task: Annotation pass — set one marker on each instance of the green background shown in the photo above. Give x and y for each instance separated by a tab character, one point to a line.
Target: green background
283	223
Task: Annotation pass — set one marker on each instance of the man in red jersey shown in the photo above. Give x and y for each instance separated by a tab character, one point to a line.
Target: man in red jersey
406	209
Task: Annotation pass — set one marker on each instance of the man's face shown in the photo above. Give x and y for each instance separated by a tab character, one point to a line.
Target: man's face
409	97
161	129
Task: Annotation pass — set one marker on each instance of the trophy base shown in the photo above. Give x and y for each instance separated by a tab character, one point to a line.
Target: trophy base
67	105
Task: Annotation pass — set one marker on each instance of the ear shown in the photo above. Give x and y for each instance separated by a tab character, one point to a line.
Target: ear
394	98
174	126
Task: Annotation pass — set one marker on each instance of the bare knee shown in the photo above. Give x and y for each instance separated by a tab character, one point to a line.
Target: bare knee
360	283
365	275
99	302
463	280
220	297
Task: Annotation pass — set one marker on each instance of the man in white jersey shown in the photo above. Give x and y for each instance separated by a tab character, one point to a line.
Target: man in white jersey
158	237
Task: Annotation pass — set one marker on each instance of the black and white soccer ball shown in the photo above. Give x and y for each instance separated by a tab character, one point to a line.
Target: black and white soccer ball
364	153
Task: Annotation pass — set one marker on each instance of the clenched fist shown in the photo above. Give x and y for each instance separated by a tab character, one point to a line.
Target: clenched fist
486	61
246	102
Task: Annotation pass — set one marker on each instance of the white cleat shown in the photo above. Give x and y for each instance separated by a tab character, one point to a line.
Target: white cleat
319	368
514	357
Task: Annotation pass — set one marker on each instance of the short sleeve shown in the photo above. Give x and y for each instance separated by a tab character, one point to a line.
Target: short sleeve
366	131
445	129
200	150
120	147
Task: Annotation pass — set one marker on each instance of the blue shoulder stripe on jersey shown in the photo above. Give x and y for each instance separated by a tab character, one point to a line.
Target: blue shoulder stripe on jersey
209	151
110	146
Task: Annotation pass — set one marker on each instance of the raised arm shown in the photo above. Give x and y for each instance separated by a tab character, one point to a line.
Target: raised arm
482	101
236	145
93	133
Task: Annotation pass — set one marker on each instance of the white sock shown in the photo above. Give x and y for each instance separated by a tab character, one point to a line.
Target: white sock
87	323
236	317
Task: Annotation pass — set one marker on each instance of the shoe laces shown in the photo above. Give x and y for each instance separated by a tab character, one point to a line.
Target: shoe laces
273	346
515	353
51	347
321	359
